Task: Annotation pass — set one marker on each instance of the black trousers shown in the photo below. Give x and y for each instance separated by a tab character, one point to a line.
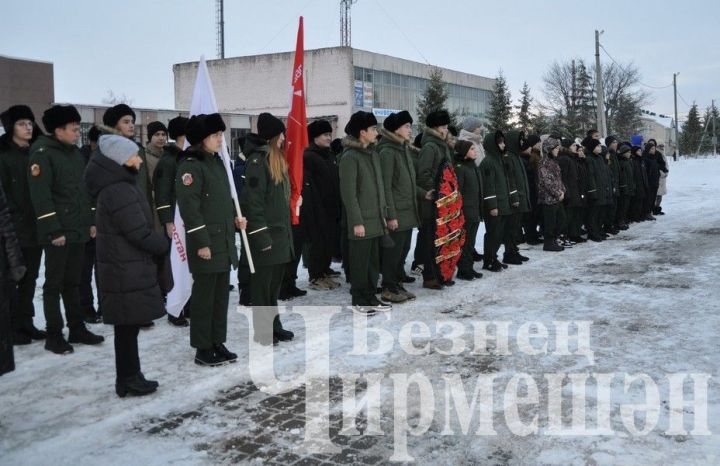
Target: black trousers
22	308
393	259
364	270
573	221
63	269
264	290
465	264
494	230
622	210
127	359
244	276
650	200
209	308
635	211
291	267
7	354
430	267
553	221
511	233
319	257
87	299
419	244
530	224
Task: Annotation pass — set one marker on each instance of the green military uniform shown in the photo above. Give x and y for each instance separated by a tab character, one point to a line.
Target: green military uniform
401	197
470	187
434	151
163	183
266	206
13	176
599	192
615	187
62	208
518	182
496	195
363	195
626	188
206	207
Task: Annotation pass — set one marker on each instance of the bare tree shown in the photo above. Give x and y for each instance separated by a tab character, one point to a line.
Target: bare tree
111	99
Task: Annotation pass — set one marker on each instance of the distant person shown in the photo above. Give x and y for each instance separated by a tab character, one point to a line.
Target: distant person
551	193
87	298
469	185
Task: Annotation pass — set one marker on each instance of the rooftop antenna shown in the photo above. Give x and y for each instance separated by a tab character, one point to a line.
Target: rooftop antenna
345	28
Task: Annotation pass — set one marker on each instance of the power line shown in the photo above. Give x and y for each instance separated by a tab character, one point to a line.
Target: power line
402	32
683	99
292	19
624	70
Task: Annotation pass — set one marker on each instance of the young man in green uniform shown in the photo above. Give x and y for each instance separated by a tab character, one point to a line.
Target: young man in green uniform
65	223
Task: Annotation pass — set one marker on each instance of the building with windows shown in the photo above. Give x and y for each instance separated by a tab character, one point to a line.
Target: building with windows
28	82
338	82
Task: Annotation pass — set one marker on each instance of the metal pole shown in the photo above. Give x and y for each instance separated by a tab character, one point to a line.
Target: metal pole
222	29
714	134
677	123
602	124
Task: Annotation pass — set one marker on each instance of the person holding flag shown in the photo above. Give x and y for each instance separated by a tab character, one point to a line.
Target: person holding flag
206	206
265	201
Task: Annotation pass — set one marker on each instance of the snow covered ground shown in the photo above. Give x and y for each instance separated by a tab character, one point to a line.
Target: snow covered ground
650	293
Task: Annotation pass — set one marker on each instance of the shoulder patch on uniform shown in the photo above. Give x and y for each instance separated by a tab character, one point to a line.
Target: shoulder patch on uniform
253	181
35	169
187	179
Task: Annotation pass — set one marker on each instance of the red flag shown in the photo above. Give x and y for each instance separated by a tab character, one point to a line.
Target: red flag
297	137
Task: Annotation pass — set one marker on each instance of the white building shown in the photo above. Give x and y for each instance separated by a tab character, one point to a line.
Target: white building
338	82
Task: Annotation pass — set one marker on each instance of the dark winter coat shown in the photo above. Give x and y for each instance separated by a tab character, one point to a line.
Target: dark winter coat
14	166
207	209
570	171
266	205
496	191
163	183
127	246
362	189
530	162
469	184
599	180
398	171
59	195
653	169
517	178
584	179
613	164
550	184
640	177
627	181
434	151
320	210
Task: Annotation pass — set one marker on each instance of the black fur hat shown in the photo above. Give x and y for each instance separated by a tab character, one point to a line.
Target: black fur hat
17	112
590	144
418	141
462	147
154	127
60	115
176	127
358	122
201	126
113	114
317	128
437	118
94	134
336	146
269	126
624	148
396	120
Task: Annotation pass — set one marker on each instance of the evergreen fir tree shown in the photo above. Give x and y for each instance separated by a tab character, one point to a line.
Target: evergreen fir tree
540	123
692	131
706	146
524	116
500	106
584	100
434	98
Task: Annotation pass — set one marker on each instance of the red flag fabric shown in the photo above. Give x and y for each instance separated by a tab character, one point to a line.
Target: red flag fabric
297	137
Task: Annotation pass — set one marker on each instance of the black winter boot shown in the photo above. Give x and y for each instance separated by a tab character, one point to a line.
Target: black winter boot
81	334
135	385
551	245
56	343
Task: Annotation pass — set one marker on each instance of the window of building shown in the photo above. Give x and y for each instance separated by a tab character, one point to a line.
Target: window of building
236	133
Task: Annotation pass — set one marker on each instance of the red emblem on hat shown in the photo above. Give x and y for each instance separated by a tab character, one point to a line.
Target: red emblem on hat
187	179
35	169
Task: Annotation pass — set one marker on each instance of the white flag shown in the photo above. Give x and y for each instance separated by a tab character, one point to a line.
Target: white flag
203	101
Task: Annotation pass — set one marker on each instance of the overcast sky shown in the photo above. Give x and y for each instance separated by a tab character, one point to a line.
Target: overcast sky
129	46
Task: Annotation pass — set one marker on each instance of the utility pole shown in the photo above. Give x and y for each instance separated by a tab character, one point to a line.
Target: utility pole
602	124
220	20
714	134
677	123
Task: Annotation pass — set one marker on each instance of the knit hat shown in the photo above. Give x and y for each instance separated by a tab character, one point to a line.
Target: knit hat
117	148
94	134
567	142
60	115
360	121
9	117
590	132
462	147
635	149
652	141
396	120
113	114
201	126
624	148
269	126
176	127
453	130
317	128
417	142
549	144
609	140
154	127
437	118
532	140
590	144
471	124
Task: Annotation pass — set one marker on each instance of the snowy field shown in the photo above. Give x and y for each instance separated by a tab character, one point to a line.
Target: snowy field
650	297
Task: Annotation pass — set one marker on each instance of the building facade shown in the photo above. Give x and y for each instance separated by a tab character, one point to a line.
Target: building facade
338	82
27	82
